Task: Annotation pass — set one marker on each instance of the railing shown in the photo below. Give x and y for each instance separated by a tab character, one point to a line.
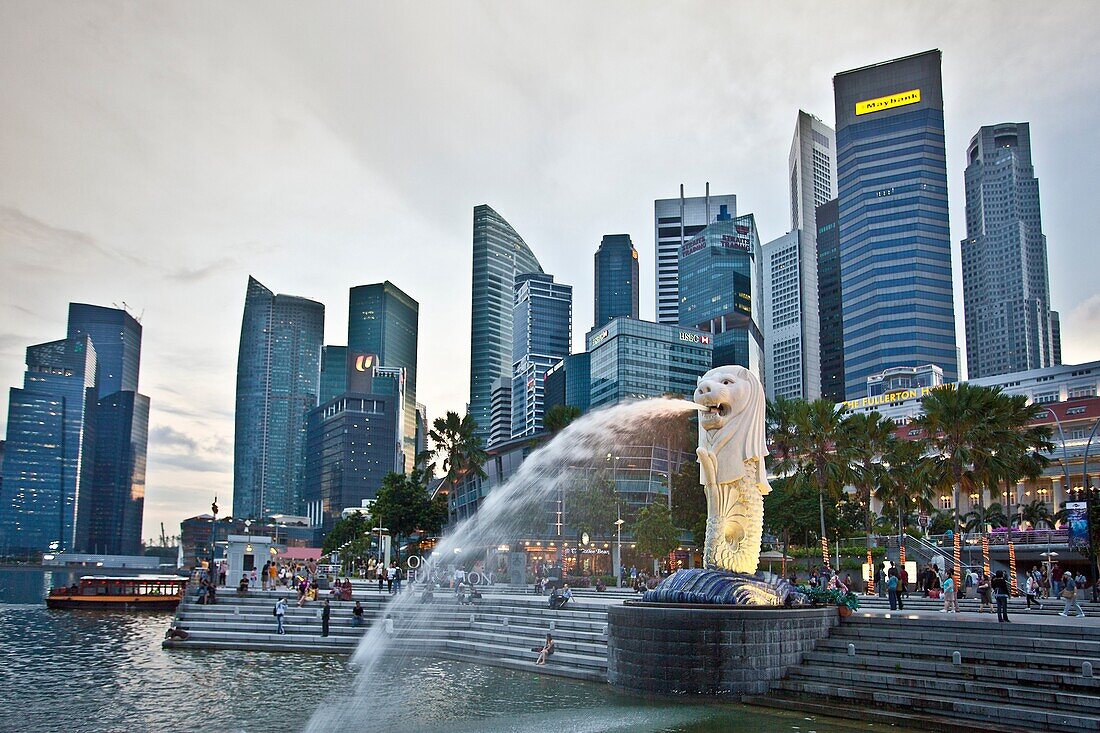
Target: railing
1030	537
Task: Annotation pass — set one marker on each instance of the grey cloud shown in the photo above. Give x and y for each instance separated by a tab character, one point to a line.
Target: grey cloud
202	272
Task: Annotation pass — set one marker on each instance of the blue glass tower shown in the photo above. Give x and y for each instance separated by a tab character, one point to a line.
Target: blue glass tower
895	248
334	372
500	255
383	320
720	289
278	380
117	339
48	460
541	327
616	266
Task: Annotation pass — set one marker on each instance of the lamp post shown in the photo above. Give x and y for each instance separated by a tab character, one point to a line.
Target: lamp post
1065	453
618	547
213	539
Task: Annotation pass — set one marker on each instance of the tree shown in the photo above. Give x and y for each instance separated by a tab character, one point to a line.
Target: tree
869	437
689	502
792	508
592	506
654	533
821	451
905	487
346	530
558	417
403	506
1037	514
460	449
977	519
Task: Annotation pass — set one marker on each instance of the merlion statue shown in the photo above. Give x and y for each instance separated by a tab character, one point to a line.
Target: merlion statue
731	454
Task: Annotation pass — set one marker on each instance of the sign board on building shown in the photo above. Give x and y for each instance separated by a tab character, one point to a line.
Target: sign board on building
361	371
1077	517
695	338
693	246
890	101
597	338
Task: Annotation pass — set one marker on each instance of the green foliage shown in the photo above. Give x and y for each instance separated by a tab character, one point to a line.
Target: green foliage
461	450
983	517
350	528
654	532
403	506
793	507
558	417
1037	514
591	505
820	596
689	503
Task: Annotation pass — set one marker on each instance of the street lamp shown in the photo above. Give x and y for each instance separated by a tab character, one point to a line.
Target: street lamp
1062	437
619	547
213	539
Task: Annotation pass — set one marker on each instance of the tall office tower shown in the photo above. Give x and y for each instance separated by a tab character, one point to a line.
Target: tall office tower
48	460
1006	292
568	382
811	166
115	506
111	509
500	255
278	380
790	303
616	278
1056	336
829	302
334	373
500	412
542	324
352	442
895	248
116	336
422	428
720	291
675	222
383	320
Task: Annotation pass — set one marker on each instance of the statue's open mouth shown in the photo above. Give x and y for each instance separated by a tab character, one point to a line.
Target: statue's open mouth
713	413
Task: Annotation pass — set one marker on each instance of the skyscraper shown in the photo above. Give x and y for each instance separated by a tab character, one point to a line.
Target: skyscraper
895	248
675	221
334	372
48	461
811	166
1006	292
616	278
112	507
829	303
542	324
384	321
790	321
115	506
278	380
720	291
499	255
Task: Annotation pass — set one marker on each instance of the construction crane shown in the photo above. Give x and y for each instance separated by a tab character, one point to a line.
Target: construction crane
163	538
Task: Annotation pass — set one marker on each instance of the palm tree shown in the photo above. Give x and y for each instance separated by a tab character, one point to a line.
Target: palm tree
460	449
956	425
976	520
781	428
905	486
820	450
558	417
1036	513
869	437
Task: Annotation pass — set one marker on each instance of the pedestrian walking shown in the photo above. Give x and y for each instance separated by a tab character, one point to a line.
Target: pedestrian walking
263	575
1000	592
1031	592
380	571
280	612
985	594
391	575
950	595
326	613
903	582
1069	594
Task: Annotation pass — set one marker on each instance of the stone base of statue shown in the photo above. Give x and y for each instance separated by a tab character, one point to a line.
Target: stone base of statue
709	649
722	587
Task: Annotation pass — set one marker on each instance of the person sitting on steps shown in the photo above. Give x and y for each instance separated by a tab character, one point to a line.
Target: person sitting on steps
546	650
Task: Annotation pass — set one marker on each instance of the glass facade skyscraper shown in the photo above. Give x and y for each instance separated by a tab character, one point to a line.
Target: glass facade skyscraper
48	460
383	320
720	291
616	267
334	372
1006	292
895	248
631	360
675	222
789	323
569	382
542	325
278	380
499	255
117	338
115	506
829	302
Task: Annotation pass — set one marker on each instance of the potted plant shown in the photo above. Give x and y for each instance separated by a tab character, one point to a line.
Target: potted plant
845	601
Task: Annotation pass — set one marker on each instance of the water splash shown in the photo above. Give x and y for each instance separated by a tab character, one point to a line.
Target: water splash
541	478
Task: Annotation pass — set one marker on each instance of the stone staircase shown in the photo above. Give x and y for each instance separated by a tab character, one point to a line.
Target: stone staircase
1011	677
1017	607
499	629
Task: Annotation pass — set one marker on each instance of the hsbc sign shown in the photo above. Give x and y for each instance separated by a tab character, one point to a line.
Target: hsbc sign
695	338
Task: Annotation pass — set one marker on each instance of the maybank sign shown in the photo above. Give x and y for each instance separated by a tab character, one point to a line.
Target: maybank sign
901	99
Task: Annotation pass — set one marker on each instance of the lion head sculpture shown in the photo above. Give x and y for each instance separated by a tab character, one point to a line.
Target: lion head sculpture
731	428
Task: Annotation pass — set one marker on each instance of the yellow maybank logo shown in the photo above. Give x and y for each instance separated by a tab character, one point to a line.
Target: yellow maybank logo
894	100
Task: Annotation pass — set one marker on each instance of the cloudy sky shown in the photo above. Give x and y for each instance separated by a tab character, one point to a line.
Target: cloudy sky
158	153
